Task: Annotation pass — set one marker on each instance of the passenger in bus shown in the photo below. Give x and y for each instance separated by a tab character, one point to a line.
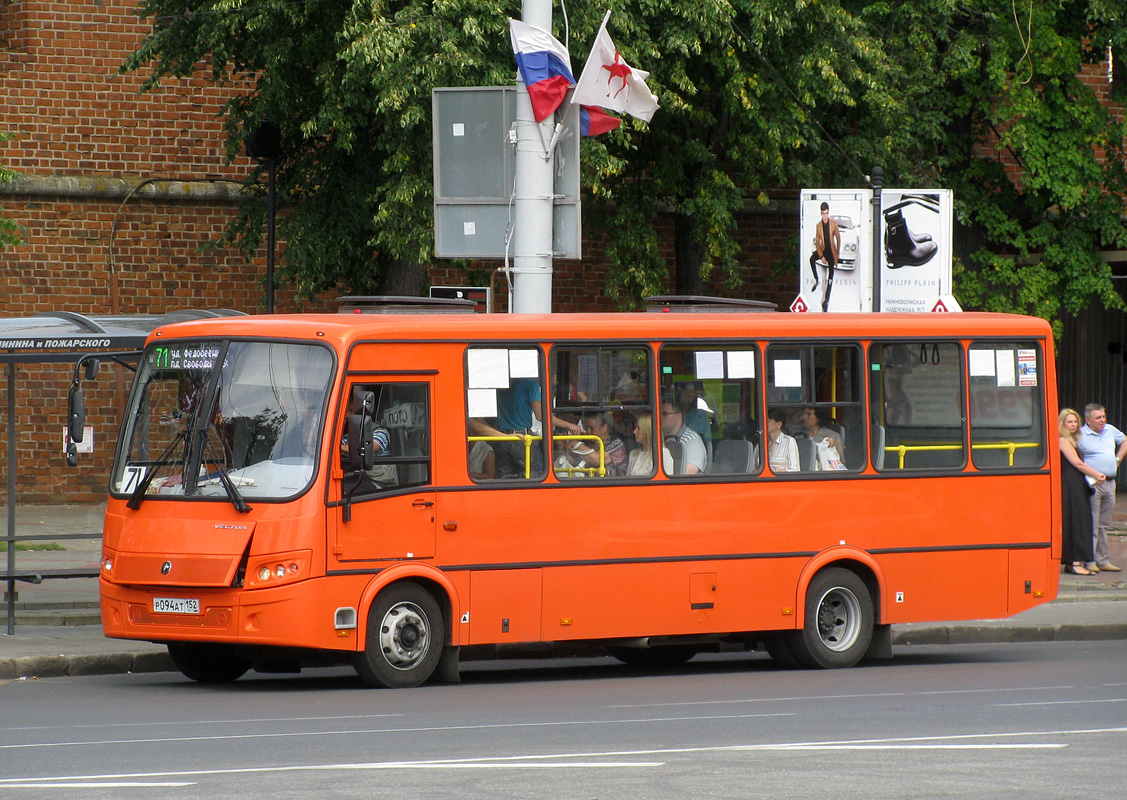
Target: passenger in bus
829	448
698	415
782	452
694	456
482	461
519	407
641	462
614	450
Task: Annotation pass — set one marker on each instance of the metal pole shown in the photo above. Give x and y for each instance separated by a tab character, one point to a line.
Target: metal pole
270	238
532	206
11	539
877	182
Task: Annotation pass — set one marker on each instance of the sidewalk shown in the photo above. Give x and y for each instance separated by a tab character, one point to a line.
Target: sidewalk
58	631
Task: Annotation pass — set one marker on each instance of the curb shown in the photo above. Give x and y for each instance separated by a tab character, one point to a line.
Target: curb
62	666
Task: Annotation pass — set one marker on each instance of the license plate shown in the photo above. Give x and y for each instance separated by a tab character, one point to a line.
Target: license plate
176	605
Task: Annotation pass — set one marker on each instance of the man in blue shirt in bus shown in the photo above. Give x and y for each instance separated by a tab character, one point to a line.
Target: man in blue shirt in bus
1103	447
519	408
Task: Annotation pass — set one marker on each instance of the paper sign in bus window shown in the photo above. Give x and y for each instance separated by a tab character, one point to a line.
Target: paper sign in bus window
488	369
524	364
1026	367
741	364
482	402
1004	362
788	373
981	363
710	365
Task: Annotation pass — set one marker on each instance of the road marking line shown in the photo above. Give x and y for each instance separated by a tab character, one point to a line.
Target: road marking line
377	731
178	723
557	757
822	697
1061	702
100	785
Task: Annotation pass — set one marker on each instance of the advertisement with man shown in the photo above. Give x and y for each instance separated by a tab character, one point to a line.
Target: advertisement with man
835	250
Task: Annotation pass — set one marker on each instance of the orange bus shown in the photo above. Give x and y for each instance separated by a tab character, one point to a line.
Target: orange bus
399	491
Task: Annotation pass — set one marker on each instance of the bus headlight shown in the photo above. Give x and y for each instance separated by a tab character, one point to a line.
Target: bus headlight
279	568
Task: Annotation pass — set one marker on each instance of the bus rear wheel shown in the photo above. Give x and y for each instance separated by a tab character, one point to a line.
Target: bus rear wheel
838	624
405	638
208	662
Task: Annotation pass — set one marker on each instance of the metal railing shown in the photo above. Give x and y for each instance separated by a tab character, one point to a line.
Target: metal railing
902	450
13	574
528	439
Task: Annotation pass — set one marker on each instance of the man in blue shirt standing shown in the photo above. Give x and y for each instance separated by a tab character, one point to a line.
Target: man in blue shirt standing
1102	446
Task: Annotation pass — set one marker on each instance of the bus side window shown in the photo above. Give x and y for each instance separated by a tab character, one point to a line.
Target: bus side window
603	390
916	405
505	412
712	390
400	424
818	389
1007	405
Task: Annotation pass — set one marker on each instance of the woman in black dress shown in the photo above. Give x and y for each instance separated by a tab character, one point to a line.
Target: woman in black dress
1076	510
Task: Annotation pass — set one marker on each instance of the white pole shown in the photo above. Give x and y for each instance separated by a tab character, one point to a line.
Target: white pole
532	206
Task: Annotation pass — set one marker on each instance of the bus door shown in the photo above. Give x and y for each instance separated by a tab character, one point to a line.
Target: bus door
387	511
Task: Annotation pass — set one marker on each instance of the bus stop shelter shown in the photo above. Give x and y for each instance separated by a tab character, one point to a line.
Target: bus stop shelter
63	337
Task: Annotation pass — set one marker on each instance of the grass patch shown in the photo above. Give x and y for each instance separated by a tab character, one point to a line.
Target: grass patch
32	546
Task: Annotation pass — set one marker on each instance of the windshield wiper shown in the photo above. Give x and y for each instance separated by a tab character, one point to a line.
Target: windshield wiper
138	495
233	493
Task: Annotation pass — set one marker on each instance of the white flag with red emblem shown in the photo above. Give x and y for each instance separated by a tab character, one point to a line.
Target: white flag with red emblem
609	82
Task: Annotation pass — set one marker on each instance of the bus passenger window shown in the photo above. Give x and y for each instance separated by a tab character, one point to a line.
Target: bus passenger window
1007	405
916	405
602	390
505	404
709	404
400	436
817	389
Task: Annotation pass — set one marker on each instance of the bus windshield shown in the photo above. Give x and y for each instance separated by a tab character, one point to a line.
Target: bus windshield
223	420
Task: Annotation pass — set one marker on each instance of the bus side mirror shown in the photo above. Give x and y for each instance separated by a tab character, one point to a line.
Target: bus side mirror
361	447
76	413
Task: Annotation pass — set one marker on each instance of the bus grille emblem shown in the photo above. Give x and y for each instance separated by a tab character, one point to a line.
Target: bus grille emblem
166	568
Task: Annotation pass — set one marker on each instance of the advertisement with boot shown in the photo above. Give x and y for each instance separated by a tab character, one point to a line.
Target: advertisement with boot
916	248
835	251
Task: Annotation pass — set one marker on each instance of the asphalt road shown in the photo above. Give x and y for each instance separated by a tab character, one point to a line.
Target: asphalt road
1046	720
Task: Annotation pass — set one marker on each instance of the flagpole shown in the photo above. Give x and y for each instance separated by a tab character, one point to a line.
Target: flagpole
533	200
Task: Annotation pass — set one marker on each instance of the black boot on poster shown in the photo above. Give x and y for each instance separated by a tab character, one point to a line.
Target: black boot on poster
901	248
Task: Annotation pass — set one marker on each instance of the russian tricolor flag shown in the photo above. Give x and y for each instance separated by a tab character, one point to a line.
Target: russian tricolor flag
593	121
544	65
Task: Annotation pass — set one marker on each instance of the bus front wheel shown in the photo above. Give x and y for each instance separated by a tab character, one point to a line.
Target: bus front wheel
838	624
208	662
405	638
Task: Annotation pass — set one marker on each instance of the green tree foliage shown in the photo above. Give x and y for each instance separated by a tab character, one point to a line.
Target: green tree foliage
755	94
9	230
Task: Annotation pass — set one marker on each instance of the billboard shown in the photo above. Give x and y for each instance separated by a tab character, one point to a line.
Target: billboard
835	250
836	264
916	253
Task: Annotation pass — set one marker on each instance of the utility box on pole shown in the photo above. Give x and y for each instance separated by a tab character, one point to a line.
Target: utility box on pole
475	170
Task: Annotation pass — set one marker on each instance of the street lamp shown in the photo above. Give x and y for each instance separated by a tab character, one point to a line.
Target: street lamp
265	145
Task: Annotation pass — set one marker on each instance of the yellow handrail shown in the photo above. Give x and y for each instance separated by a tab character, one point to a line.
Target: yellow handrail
1010	447
600	470
529	439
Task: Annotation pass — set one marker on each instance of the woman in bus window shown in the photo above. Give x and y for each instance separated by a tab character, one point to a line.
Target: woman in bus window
642	459
782	450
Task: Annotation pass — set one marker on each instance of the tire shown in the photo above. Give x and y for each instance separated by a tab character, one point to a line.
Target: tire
405	638
661	657
209	663
838	623
778	646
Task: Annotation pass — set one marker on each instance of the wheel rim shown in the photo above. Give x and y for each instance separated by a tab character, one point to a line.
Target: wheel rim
839	619
404	636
